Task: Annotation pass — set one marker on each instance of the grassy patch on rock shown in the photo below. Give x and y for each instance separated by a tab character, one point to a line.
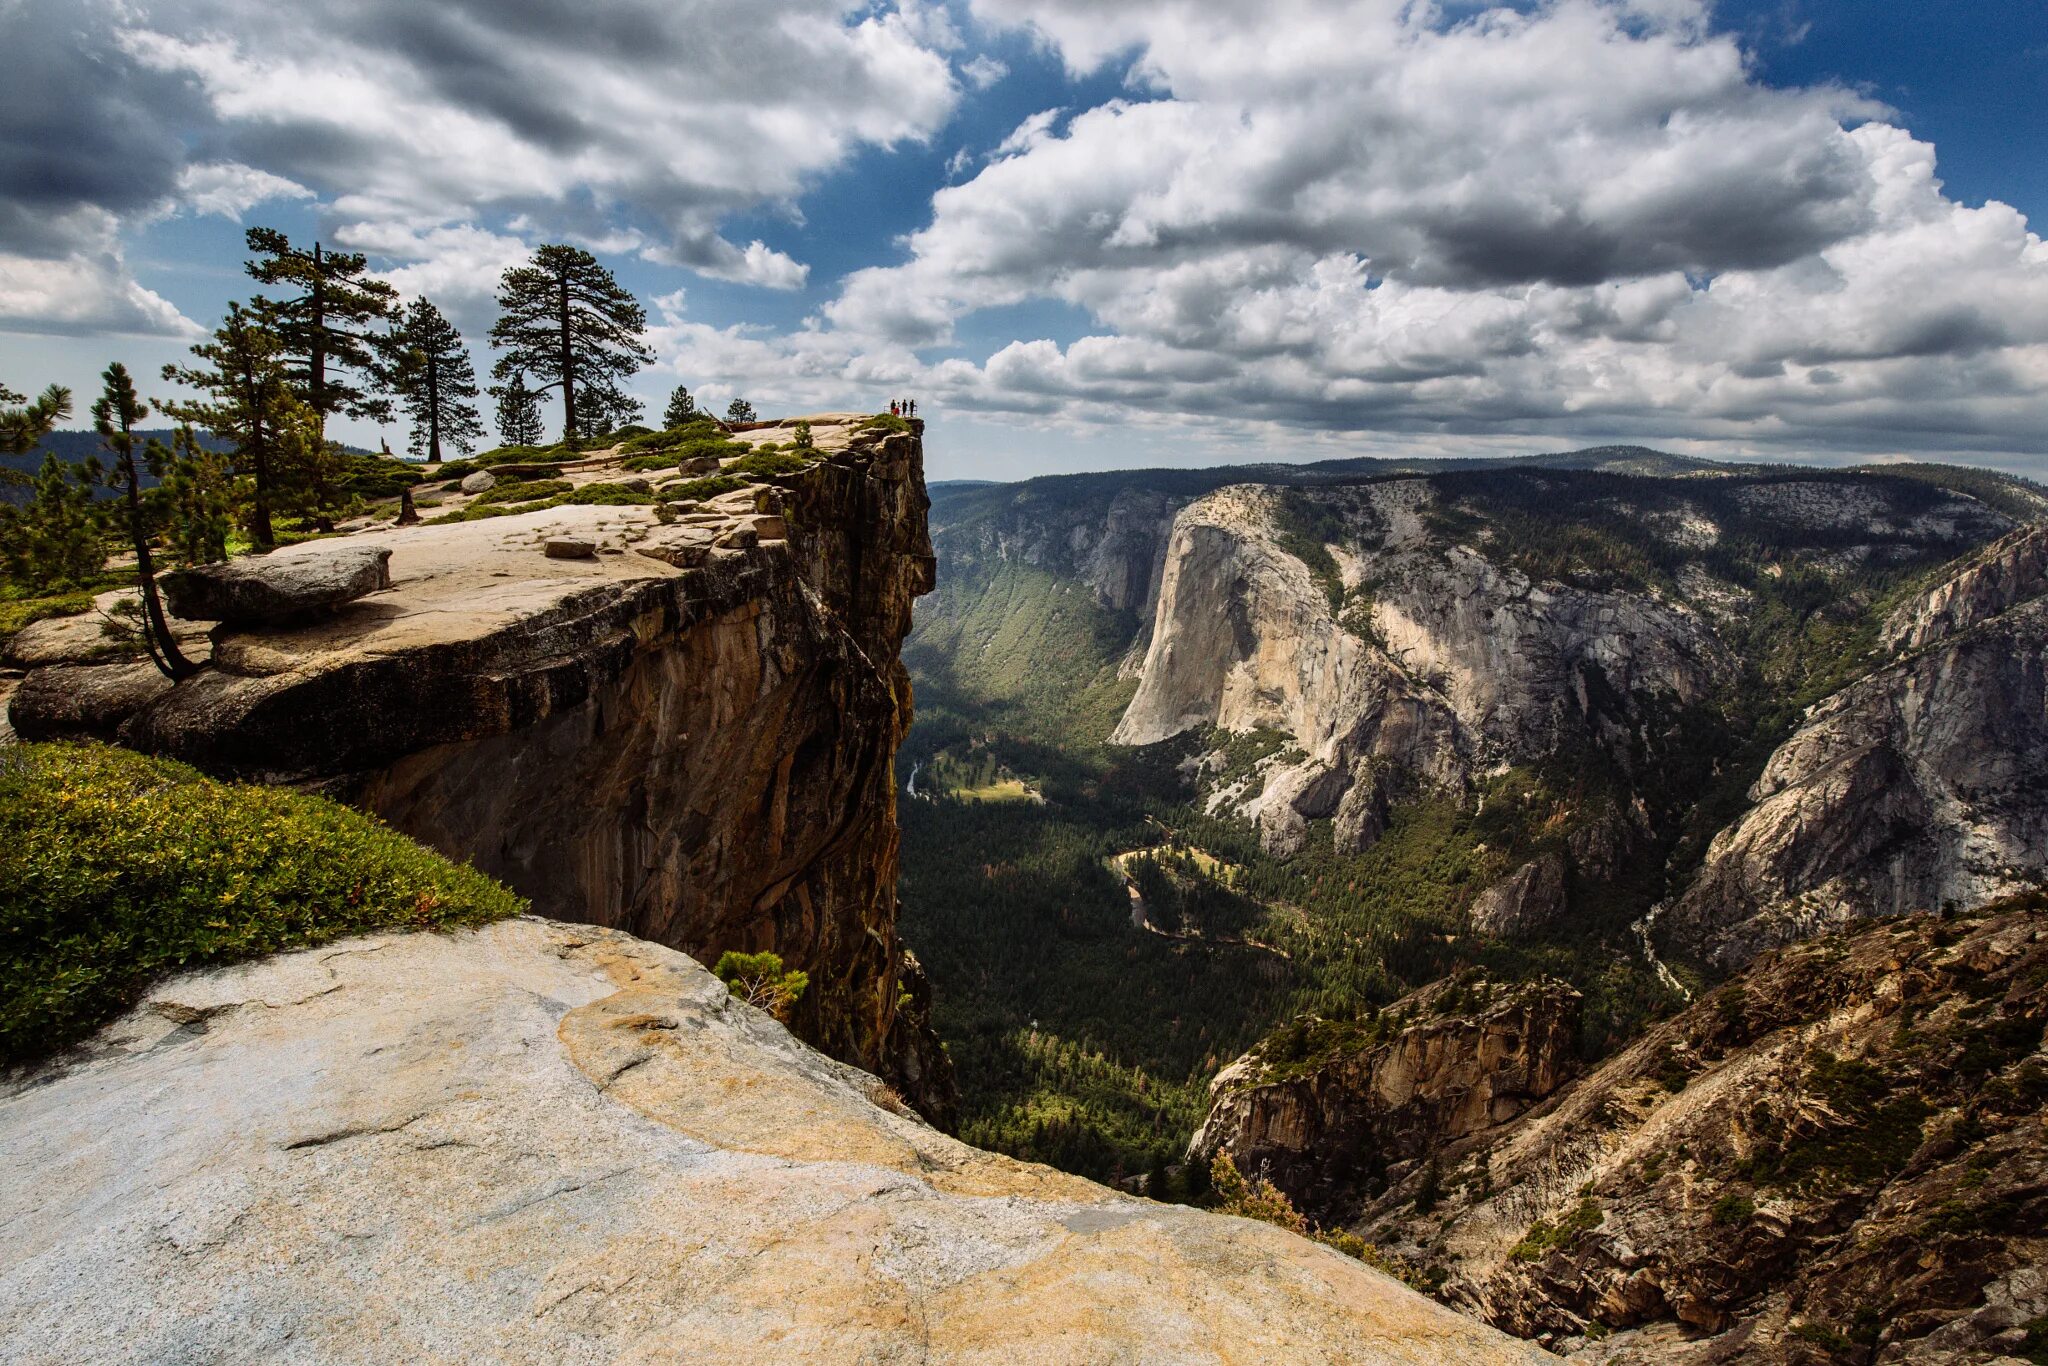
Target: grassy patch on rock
117	868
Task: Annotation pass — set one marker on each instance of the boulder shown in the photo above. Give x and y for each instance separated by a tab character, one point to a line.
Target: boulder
739	538
83	701
770	528
570	548
283	586
483	481
702	464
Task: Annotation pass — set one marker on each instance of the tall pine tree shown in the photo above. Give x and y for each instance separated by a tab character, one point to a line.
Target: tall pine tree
566	321
325	320
115	414
518	412
431	371
250	403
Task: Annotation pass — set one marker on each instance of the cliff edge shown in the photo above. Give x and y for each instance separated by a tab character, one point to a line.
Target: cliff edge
548	1142
686	730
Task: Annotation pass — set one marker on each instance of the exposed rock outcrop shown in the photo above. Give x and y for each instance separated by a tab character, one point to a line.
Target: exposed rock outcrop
1449	666
1323	1109
1916	788
2002	575
285	585
691	740
1530	898
1838	1156
540	1143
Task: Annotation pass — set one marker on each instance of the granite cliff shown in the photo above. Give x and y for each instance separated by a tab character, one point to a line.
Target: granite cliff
539	1142
1917	787
687	733
1837	1156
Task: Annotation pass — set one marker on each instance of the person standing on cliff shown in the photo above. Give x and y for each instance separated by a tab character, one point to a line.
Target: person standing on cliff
892	409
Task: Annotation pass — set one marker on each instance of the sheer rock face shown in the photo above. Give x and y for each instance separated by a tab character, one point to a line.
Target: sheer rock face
1845	1145
688	742
539	1142
1918	787
2002	575
1526	900
1458	666
1448	1061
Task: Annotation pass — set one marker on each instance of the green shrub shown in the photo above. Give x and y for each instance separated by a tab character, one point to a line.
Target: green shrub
642	464
1543	1236
884	422
710	486
760	980
602	495
456	469
768	462
523	491
1733	1208
117	868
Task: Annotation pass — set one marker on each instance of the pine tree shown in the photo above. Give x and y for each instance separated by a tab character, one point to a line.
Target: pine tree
115	414
201	494
431	372
325	323
739	410
24	423
565	319
54	541
518	412
681	408
251	405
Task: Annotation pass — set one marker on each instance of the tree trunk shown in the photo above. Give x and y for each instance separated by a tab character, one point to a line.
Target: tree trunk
156	631
433	411
316	352
568	361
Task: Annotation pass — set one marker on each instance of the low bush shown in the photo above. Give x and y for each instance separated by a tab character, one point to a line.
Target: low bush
523	491
117	868
760	980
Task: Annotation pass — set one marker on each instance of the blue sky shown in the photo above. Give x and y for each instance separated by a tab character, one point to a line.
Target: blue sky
1175	231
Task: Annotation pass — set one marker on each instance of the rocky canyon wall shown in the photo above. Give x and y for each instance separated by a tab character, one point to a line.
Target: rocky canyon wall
689	736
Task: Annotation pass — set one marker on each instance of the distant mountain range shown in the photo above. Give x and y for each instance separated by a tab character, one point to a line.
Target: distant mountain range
73	446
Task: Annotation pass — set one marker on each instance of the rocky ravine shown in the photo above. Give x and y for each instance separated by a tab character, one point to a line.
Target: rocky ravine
688	735
1918	787
1840	1156
1323	1109
539	1142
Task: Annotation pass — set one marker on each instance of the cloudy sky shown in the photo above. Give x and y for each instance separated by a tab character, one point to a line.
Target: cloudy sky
1085	234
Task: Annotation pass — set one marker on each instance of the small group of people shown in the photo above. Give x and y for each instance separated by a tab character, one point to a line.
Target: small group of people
903	407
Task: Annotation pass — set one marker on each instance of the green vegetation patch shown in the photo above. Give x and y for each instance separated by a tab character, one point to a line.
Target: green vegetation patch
522	491
1544	1236
1881	1131
1306	528
117	868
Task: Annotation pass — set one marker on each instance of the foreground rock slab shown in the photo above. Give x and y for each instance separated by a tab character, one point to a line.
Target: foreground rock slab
543	1142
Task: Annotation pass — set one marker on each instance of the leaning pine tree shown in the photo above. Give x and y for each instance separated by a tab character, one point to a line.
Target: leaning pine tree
431	372
114	415
566	321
